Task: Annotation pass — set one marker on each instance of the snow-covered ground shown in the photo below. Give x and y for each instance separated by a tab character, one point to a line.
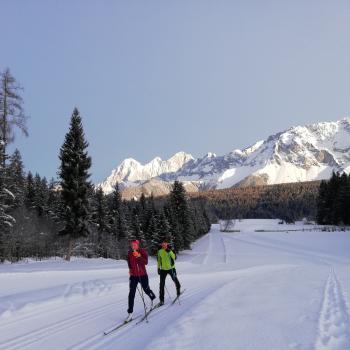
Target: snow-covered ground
244	291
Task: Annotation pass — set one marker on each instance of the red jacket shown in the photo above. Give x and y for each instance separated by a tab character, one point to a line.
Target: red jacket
137	266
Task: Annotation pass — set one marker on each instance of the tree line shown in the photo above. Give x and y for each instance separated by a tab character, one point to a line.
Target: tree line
333	203
41	218
289	202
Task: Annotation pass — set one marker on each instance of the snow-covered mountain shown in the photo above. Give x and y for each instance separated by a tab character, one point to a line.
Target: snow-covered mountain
131	173
301	153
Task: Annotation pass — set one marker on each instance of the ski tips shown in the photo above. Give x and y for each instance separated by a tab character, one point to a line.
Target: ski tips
141	318
124	323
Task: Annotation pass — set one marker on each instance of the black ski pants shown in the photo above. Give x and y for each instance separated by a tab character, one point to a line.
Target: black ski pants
134	280
163	274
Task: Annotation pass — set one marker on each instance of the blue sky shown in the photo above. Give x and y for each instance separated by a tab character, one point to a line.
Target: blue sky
156	77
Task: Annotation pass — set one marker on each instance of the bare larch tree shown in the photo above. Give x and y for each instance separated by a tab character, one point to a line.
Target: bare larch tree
11	108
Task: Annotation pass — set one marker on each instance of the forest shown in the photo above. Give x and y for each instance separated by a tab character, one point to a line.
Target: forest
70	216
288	202
333	202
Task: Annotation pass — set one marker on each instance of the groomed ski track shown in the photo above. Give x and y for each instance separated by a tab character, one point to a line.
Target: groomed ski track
247	291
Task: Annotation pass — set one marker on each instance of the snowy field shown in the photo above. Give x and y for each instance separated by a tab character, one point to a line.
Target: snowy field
244	291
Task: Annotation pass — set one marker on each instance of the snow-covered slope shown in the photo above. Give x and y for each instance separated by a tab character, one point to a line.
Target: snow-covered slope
301	153
246	291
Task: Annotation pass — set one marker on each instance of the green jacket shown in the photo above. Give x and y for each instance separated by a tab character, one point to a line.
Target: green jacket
166	260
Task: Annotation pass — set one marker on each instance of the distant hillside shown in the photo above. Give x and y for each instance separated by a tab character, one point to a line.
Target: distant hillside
290	202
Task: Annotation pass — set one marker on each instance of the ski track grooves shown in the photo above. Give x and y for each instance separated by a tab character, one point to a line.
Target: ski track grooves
192	297
216	252
98	340
54	328
205	260
334	320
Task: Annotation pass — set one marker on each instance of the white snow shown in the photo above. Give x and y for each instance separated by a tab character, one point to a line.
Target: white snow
130	172
301	153
245	290
234	175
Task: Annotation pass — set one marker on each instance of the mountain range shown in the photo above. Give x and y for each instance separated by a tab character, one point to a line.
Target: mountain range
300	153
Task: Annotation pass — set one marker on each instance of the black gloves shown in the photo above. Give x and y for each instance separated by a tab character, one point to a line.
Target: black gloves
158	271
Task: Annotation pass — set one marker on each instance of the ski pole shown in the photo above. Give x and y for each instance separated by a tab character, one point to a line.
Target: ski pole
143	301
141	293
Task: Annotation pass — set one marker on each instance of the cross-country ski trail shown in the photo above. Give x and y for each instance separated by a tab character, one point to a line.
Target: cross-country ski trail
246	291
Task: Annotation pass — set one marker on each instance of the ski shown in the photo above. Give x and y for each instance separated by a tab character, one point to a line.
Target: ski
177	298
149	311
111	330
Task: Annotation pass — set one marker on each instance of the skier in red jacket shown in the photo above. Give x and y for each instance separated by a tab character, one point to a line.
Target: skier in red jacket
137	261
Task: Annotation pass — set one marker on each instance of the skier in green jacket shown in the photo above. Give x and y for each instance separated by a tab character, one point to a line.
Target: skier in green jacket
166	265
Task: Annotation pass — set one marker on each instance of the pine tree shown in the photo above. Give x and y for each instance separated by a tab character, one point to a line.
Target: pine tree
322	210
54	203
333	200
326	204
30	191
180	217
118	222
346	202
200	219
17	178
342	200
176	241
136	227
148	214
206	218
143	202
74	176
40	195
100	218
163	232
154	237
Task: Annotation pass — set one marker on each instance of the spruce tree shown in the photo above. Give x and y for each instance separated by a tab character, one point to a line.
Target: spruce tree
54	202
341	200
174	227
333	198
40	195
333	202
154	237
149	213
346	202
163	232
74	181
322	200
119	225
143	201
180	217
200	219
100	218
17	178
136	227
30	191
